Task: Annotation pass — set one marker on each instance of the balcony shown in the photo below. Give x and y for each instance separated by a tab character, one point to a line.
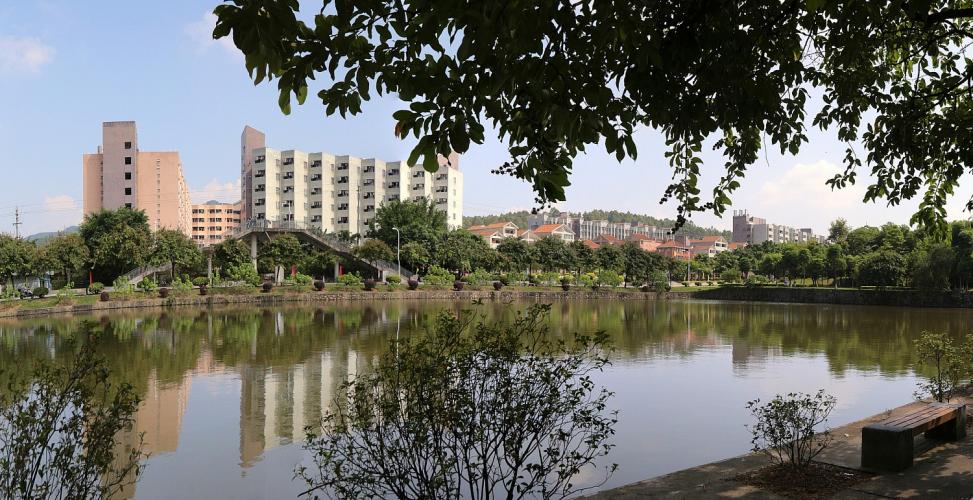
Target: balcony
441	177
260	159
343	166
315	163
316	177
418	187
368	195
394	184
259	203
260	189
288	161
316	204
368	169
393	171
342	220
440	201
289	189
442	190
343	206
316	191
418	174
368	182
288	175
260	173
343	192
369	208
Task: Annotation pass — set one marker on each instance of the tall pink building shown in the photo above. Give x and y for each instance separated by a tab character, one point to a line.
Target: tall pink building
120	175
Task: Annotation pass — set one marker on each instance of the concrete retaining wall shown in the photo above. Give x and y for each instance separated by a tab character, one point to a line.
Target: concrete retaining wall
899	298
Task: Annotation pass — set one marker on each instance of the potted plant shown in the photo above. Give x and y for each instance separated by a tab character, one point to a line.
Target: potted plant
104	296
202	282
319	285
267	286
163	292
458	285
40	292
413	284
565	283
645	288
497	285
369	285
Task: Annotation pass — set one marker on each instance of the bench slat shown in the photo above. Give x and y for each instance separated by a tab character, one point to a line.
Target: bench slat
919	415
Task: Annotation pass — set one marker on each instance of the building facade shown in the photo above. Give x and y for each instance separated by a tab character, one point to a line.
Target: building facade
590	229
341	193
214	221
755	230
495	233
121	175
250	140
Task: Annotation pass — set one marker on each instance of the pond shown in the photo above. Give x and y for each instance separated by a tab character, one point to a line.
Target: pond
228	392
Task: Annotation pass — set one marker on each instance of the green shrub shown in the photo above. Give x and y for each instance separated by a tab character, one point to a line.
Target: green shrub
504	279
122	284
148	285
533	279
699	283
182	283
516	277
786	427
479	277
549	278
200	281
350	279
946	363
96	287
245	273
302	279
40	292
587	279
731	275
393	279
607	277
437	276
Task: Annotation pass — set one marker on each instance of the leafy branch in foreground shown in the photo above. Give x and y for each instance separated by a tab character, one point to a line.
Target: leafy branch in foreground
554	78
468	410
786	427
59	428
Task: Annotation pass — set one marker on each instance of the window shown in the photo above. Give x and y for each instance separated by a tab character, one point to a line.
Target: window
128	144
128	160
128	176
128	191
128	205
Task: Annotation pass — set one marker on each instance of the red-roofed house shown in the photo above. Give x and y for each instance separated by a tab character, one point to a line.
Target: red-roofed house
675	250
607	239
590	244
559	231
644	242
708	245
736	244
495	233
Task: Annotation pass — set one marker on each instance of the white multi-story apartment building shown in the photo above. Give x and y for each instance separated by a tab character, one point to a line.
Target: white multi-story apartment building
755	230
342	193
588	229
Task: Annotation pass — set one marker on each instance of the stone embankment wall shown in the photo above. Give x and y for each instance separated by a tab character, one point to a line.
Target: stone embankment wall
869	297
317	297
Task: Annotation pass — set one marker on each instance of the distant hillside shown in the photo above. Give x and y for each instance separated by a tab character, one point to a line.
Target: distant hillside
42	237
520	218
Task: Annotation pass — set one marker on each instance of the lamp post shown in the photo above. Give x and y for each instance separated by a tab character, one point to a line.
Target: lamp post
398	255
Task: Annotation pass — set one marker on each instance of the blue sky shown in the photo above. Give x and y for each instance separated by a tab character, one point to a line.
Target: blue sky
67	66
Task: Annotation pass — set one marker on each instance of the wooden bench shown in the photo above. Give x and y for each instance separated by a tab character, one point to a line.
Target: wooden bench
888	445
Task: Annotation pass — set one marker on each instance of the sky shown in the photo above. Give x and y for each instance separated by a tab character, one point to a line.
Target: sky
68	66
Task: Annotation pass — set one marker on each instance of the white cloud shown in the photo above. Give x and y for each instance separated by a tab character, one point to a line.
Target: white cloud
201	32
805	184
228	191
22	54
57	212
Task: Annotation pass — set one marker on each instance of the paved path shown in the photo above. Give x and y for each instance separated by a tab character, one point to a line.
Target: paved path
941	471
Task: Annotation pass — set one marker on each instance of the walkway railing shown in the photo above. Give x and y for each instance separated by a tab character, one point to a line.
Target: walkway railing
325	238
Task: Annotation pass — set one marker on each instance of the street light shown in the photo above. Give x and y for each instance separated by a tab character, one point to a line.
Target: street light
398	255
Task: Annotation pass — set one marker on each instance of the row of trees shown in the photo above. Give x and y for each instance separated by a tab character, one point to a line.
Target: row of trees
888	256
108	244
425	241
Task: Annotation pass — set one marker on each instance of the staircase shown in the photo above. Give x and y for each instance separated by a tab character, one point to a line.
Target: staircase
319	238
135	276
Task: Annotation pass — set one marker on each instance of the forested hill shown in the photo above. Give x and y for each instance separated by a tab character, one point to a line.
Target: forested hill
520	218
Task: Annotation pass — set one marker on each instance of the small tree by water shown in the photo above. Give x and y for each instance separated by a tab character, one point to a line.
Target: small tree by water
58	431
786	427
946	362
469	410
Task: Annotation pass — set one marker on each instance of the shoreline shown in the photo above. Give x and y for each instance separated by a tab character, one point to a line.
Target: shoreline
269	299
778	295
941	469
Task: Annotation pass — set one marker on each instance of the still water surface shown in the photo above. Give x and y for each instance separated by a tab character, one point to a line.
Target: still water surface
228	392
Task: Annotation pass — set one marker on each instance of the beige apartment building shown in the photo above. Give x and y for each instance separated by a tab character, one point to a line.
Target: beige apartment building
121	175
214	221
341	193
